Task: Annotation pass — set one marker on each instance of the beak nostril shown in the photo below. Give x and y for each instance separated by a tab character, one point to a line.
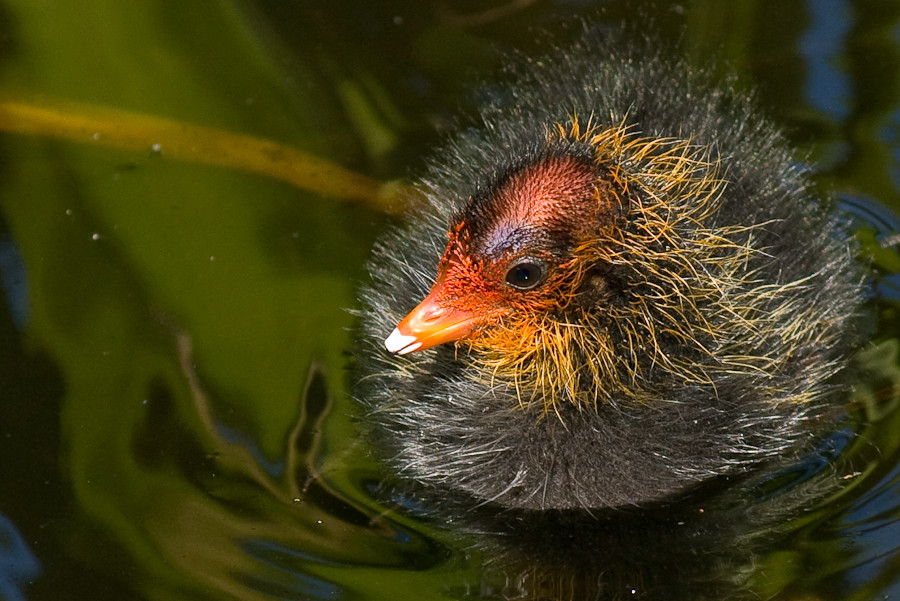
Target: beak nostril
432	315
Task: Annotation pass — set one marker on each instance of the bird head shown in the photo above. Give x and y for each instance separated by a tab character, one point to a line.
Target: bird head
518	251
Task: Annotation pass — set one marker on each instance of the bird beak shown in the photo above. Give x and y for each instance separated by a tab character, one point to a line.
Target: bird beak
430	324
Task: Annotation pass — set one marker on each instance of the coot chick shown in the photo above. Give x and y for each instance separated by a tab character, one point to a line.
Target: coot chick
622	285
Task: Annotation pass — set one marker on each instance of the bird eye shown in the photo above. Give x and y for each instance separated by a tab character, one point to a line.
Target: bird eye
525	275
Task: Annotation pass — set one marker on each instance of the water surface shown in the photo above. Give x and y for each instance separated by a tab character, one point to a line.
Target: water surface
175	420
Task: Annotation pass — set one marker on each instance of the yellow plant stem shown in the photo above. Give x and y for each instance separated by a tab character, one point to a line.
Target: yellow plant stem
186	142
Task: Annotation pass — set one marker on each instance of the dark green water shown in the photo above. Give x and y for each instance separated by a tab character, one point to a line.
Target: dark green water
174	420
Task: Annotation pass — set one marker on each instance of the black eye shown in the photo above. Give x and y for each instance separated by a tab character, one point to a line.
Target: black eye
525	275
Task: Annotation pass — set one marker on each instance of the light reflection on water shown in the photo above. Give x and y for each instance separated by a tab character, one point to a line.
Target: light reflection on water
827	88
20	566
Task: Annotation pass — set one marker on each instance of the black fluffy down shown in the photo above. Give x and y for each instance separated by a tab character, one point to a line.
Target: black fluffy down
446	428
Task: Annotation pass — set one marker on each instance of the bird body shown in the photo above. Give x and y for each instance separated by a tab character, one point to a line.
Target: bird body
621	285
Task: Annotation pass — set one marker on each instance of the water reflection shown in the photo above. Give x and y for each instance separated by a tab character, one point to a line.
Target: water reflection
14	280
18	565
256	532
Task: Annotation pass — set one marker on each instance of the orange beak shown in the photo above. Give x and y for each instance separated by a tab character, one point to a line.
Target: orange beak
431	324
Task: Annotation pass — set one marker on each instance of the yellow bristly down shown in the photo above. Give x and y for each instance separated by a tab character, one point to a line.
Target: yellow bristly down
690	285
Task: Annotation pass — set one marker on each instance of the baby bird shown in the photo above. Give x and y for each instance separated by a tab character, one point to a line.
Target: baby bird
621	286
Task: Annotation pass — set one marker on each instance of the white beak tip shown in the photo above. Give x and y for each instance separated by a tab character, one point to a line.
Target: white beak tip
401	344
